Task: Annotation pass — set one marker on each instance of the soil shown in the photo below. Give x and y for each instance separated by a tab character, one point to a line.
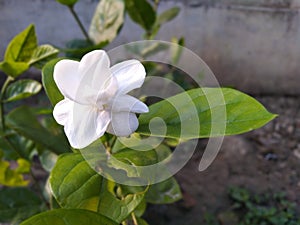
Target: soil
266	160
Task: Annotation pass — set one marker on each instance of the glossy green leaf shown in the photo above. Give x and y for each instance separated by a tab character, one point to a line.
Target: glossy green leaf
164	192
49	84
233	113
17	204
167	15
42	54
22	46
67	2
14	177
141	12
22	89
76	185
107	20
24	122
68	217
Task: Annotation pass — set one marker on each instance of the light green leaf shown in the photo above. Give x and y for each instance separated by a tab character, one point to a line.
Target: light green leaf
42	54
107	20
13	69
237	113
165	192
76	185
14	177
141	12
167	15
67	2
22	89
24	122
17	204
49	84
68	217
22	46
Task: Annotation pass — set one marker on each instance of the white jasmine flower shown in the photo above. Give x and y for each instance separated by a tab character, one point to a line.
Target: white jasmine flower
95	97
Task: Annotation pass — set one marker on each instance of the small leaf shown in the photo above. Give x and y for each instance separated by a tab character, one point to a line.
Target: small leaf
22	46
167	15
141	12
22	89
17	204
24	122
188	115
42	54
165	192
13	69
76	185
67	2
107	20
49	84
68	217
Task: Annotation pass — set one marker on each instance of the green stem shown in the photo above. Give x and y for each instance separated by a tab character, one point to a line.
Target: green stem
71	8
134	219
2	93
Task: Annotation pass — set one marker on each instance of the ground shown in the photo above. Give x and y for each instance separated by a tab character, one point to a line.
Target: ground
263	161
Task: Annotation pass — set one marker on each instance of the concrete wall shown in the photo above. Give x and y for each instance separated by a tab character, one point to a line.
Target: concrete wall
251	45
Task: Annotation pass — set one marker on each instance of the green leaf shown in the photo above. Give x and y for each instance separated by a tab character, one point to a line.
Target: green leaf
107	20
14	177
42	54
141	221
76	185
237	113
67	2
14	69
24	122
167	15
68	217
49	84
17	204
141	12
165	192
22	89
22	46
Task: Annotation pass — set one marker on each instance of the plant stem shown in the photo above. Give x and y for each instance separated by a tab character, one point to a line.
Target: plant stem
134	219
2	93
71	8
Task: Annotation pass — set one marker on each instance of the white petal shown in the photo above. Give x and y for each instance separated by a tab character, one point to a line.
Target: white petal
123	124
130	75
127	103
87	125
62	111
67	78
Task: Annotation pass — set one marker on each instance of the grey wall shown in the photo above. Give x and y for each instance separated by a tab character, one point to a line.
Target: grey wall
251	45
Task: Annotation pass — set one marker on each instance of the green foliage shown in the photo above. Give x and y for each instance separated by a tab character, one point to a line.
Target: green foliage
67	2
22	89
42	54
68	217
237	113
141	12
107	21
17	204
271	209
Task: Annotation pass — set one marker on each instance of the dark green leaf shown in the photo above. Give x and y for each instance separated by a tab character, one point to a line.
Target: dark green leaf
17	204
107	21
141	221
167	15
206	112
69	217
22	89
49	84
22	46
42	54
164	192
67	2
24	122
76	185
141	12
